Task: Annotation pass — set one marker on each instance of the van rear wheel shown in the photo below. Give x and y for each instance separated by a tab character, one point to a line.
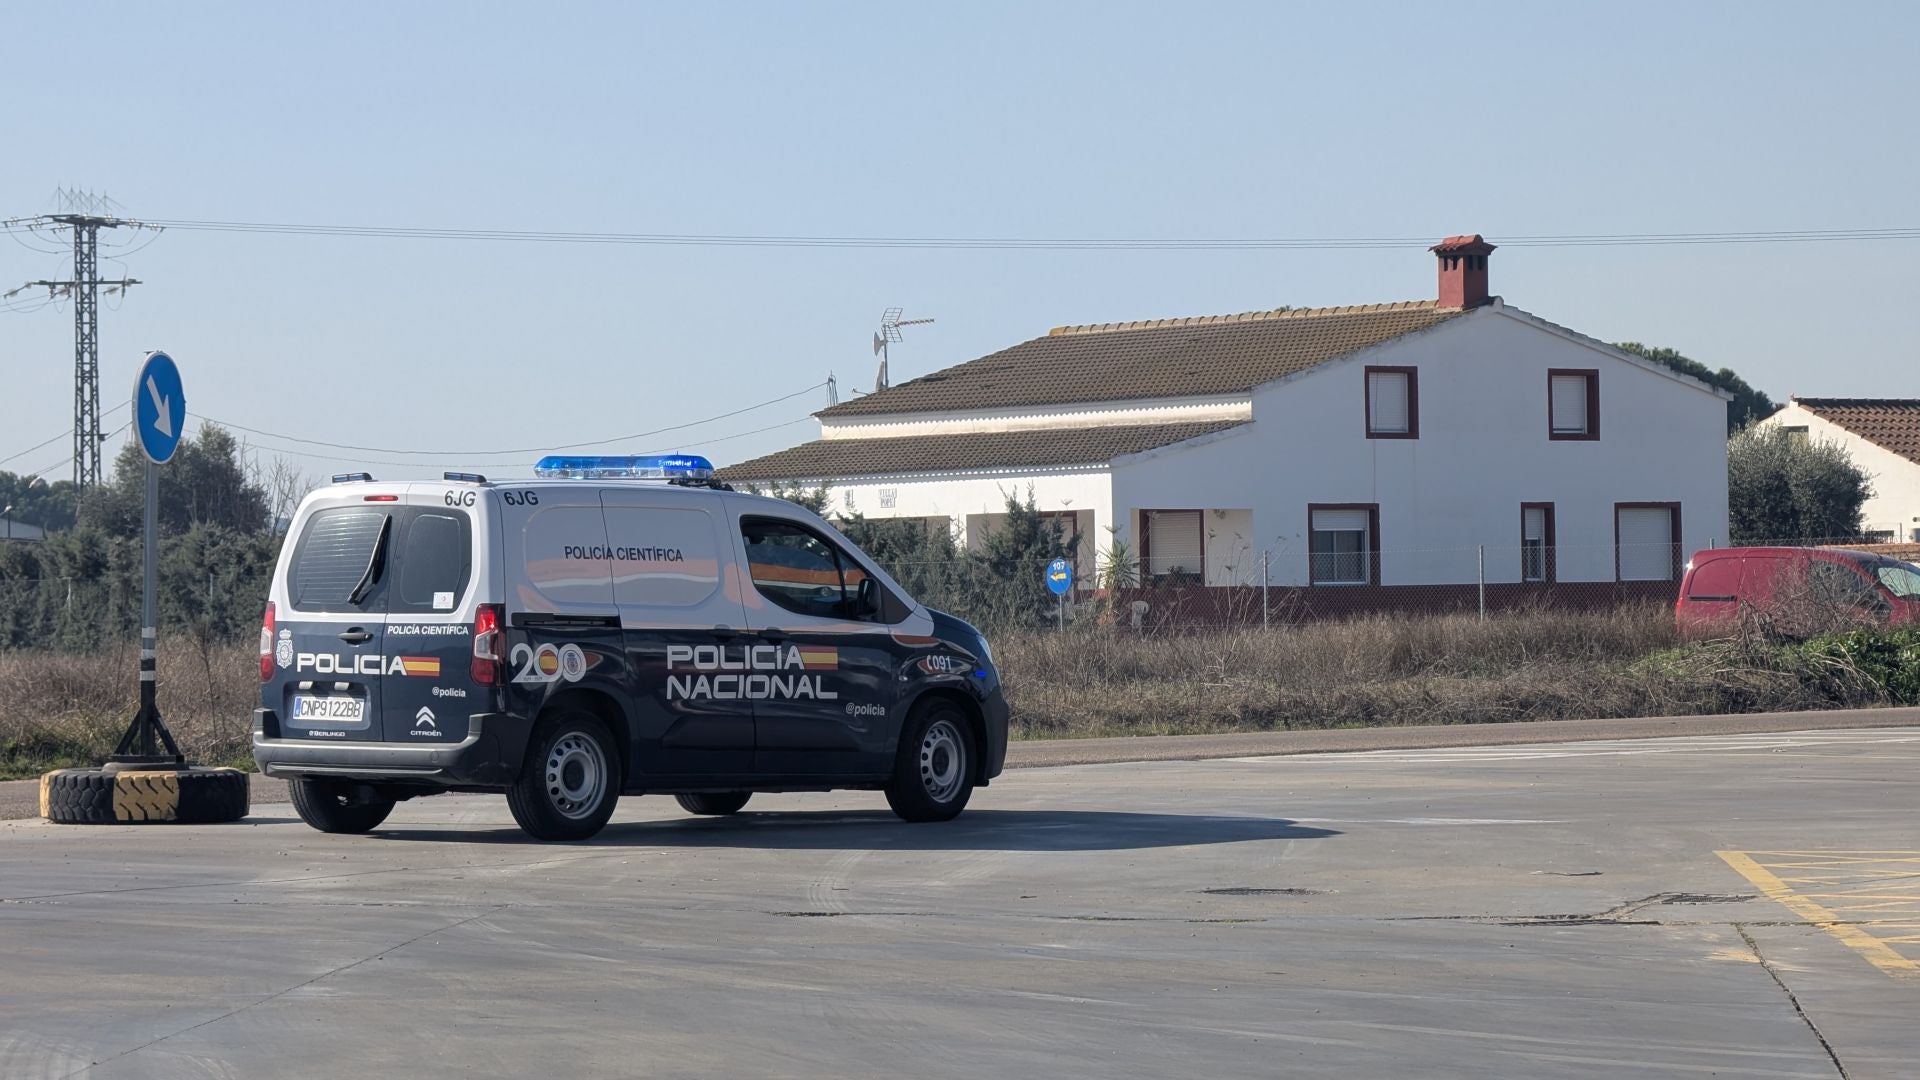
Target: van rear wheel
713	803
570	780
329	805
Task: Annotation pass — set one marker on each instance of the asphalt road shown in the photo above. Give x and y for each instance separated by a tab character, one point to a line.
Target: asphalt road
1730	906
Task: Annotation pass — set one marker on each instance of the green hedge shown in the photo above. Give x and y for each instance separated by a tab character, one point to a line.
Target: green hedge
1890	658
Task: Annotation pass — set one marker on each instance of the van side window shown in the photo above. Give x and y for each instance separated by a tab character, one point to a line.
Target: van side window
797	569
1842	586
436	559
334	565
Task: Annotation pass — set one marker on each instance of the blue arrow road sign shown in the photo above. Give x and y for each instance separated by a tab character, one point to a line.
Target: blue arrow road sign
159	407
1059	576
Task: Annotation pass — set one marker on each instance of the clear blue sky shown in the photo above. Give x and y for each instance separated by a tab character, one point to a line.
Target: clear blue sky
1020	119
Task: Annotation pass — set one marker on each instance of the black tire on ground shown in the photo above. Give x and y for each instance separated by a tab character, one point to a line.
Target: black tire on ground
934	769
713	803
328	806
210	795
146	796
77	797
570	780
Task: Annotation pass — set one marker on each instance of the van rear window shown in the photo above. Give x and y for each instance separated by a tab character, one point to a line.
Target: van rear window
422	566
332	557
435	560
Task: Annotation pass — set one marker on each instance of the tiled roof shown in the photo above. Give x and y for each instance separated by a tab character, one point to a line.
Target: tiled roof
1890	423
1205	355
836	459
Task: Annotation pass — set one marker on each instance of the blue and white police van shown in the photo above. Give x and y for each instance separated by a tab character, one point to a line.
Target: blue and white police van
618	625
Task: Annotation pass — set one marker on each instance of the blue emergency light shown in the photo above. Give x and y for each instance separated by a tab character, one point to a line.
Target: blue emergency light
625	467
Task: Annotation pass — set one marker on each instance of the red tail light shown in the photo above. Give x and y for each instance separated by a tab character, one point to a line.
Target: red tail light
266	644
489	645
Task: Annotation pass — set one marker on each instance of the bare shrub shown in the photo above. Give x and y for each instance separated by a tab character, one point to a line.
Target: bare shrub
61	709
1533	665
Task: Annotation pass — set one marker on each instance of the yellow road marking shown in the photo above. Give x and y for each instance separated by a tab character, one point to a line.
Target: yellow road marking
1877	952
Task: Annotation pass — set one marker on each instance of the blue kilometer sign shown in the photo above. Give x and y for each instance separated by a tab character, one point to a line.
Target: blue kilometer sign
159	408
1059	576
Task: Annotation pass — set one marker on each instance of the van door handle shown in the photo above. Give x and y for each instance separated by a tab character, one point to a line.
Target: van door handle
356	636
723	632
774	633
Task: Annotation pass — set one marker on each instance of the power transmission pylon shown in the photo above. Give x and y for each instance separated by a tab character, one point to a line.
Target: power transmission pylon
86	221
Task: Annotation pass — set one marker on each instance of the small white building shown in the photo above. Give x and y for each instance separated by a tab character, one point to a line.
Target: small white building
20	530
1375	445
1882	435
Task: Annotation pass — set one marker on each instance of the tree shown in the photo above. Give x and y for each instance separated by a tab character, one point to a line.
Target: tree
1782	486
36	501
206	483
1748	404
996	581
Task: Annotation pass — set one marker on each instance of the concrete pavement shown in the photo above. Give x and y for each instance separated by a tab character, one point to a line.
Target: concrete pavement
1734	906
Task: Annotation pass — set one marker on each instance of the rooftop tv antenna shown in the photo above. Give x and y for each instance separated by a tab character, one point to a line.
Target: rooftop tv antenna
889	332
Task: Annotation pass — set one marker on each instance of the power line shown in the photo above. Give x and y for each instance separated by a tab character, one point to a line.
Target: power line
359	460
56	439
1777	236
520	452
69	458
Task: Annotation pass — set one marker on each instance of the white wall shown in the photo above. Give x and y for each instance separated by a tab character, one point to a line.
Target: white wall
984	497
1895	504
1482	451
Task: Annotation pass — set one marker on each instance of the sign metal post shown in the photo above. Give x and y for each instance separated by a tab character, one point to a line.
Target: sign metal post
160	412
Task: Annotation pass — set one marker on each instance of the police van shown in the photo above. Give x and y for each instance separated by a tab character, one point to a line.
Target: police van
616	626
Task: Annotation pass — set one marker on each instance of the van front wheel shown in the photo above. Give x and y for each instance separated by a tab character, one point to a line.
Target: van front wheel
933	772
570	780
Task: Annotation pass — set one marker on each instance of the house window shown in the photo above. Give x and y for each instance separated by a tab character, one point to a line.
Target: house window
1646	541
1171	547
1393	403
1573	404
1796	435
1343	544
1536	542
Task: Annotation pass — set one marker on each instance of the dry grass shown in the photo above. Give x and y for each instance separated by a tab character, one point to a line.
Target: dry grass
1399	671
58	709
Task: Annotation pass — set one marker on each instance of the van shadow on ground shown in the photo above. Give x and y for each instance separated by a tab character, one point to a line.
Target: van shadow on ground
975	830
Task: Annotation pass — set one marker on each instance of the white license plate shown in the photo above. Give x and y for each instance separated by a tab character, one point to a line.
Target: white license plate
329	708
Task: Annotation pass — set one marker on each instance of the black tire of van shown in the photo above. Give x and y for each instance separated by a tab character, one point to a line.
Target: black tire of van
571	751
326	805
934	768
713	803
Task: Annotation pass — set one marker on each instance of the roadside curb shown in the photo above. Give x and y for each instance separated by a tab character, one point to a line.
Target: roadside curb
1048	753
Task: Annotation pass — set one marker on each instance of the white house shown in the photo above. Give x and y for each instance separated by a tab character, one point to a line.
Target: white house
1882	435
1381	444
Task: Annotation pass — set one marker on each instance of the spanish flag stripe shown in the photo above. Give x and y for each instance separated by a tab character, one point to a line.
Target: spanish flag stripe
421	665
813	658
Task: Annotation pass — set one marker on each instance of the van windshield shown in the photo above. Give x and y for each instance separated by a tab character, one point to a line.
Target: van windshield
1901	579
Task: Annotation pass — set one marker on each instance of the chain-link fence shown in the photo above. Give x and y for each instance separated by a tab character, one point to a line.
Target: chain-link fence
1247	589
1280	587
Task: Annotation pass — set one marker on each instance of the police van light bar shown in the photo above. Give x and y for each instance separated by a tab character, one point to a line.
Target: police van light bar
464	477
353	478
622	467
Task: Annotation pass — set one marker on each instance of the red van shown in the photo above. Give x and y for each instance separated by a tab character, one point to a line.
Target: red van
1796	590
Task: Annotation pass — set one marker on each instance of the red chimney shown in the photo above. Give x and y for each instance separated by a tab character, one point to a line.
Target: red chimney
1463	270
